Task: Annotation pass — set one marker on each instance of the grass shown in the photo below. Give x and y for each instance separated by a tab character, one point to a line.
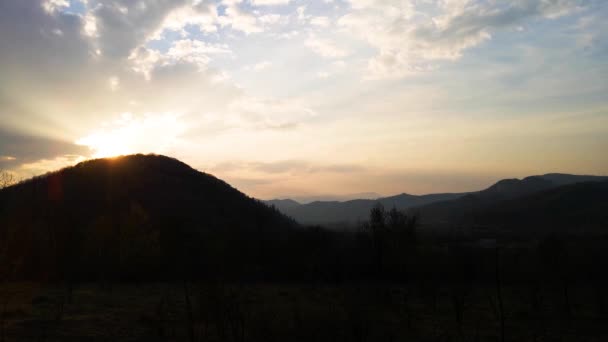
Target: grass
286	312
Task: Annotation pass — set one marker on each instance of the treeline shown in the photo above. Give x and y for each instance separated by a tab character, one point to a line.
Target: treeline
389	276
128	245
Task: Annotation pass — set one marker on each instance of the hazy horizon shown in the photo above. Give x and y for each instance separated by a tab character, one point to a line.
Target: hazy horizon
291	98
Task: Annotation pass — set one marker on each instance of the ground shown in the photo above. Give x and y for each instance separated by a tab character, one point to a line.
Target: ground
286	312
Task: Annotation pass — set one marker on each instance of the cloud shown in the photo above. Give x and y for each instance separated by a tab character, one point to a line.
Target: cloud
68	73
195	51
54	5
271	19
261	66
203	15
320	21
123	25
44	165
17	149
294	167
410	40
325	48
58	89
240	20
269	2
274	114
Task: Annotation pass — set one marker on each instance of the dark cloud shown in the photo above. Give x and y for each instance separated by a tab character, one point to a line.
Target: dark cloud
17	149
475	20
125	24
40	44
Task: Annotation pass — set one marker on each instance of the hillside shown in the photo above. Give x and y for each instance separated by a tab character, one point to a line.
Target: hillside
538	199
575	207
131	209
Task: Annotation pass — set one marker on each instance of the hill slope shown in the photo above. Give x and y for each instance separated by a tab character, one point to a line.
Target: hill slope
574	207
508	192
130	208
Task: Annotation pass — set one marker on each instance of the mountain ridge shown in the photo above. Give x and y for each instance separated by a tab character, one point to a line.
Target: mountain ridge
352	211
500	192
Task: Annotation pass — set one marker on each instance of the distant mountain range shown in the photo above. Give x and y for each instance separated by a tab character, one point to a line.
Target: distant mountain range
433	208
334	198
348	212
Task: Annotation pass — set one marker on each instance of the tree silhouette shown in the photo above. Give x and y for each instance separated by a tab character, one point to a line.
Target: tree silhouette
6	179
392	233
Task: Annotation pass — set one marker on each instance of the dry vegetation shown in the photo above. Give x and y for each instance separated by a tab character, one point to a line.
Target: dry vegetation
289	312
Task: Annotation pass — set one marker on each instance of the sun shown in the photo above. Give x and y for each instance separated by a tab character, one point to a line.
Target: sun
112	141
129	135
105	145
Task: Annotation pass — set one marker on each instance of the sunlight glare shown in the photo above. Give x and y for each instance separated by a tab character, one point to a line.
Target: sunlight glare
129	135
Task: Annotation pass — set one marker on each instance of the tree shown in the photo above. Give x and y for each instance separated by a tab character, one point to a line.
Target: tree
377	229
392	232
6	179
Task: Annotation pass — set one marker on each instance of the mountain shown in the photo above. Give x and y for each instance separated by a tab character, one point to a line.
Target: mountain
575	206
565	179
335	198
126	211
350	212
283	204
434	208
467	208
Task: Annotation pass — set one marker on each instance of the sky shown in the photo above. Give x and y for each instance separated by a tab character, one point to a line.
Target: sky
294	98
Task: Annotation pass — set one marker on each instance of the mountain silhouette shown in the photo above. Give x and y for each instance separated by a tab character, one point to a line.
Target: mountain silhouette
133	209
283	204
577	206
505	193
350	212
433	208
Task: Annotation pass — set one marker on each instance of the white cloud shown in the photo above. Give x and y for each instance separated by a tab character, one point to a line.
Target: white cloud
54	5
320	21
90	26
409	39
195	51
262	66
240	20
203	15
270	19
269	2
269	113
324	47
301	12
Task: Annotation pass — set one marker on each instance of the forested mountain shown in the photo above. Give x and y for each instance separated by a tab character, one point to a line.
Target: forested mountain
548	201
126	212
